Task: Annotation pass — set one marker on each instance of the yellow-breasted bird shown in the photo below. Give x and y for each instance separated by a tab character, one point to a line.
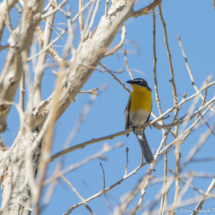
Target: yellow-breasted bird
138	112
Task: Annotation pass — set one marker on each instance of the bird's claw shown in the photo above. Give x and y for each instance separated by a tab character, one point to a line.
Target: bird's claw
150	125
134	127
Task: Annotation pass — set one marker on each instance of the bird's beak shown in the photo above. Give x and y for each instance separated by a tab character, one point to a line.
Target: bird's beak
130	82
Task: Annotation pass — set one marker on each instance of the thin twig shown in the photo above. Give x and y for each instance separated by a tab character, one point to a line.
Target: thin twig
196	148
189	71
60	9
22	93
115	77
60	35
7	18
175	98
169	57
126	168
106	8
181	138
204	197
92	14
126	62
76	192
48	138
54	10
81	20
106	189
164	194
4	47
71	35
207	124
116	48
103	176
92	91
82	145
73	133
190	185
146	9
98	155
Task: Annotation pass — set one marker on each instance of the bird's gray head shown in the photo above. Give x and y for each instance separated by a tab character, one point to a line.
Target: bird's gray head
139	82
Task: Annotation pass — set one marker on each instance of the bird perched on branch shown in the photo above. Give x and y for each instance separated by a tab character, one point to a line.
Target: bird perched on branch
138	112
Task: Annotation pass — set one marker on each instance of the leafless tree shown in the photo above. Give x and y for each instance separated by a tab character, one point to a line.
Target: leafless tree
30	151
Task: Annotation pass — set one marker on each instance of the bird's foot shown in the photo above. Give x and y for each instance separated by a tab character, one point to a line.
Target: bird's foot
150	125
134	127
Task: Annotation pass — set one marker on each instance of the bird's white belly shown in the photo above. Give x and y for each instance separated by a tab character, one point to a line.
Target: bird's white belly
138	117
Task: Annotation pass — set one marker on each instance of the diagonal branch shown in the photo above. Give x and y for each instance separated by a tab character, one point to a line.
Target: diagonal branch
116	48
145	10
42	58
72	167
76	192
189	71
204	197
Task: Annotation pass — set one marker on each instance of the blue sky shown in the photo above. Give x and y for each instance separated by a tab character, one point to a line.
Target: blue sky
193	21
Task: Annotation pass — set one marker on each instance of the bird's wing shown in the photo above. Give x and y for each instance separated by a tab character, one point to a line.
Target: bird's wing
149	115
127	111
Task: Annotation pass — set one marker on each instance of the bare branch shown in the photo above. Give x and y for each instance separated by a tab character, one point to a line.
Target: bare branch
106	189
116	48
175	98
48	139
180	139
51	50
196	148
60	9
106	8
92	91
146	9
115	77
53	11
126	62
103	176
81	20
76	192
126	168
5	7
189	71
112	136
98	155
204	197
42	58
169	57
4	47
206	123
22	92
190	185
164	134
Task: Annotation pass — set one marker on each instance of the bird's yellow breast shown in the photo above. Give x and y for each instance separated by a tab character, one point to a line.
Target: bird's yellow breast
141	98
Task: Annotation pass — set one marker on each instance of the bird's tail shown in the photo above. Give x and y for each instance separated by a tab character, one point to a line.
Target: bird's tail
147	153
